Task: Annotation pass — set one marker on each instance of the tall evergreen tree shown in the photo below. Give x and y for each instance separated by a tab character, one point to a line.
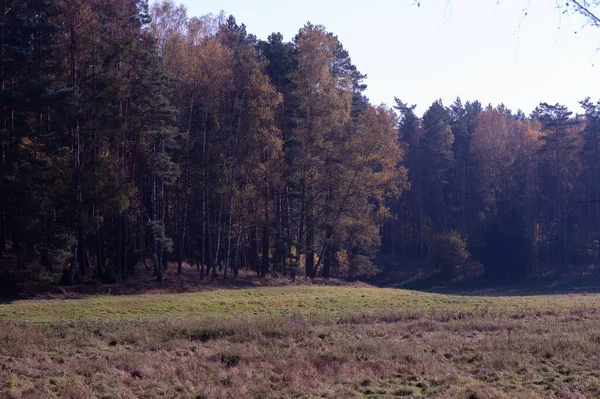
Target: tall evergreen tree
558	148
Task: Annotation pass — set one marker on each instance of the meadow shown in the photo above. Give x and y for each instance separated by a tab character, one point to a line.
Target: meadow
301	341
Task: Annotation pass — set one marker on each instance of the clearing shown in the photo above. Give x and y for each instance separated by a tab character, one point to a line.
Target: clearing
301	341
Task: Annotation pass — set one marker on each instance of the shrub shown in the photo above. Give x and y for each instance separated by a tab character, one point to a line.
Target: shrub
448	252
229	359
43	275
361	266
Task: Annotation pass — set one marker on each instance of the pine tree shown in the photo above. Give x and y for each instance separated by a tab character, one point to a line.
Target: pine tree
324	103
438	157
591	158
558	148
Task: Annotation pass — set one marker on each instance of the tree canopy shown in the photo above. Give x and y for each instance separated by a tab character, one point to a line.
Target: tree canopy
137	135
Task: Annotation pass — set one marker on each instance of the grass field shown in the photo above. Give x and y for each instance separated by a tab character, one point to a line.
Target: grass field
301	342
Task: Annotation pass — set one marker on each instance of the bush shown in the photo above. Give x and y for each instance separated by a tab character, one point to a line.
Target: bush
43	275
230	359
361	266
448	252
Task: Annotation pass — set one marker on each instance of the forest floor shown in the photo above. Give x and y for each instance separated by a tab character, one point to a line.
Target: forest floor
301	341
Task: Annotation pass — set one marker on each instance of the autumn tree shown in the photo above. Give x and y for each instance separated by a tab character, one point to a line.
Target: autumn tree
365	174
324	104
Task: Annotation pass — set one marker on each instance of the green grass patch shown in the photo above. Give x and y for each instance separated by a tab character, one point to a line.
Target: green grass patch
305	301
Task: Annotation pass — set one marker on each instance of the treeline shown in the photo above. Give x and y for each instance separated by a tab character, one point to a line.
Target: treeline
523	193
136	134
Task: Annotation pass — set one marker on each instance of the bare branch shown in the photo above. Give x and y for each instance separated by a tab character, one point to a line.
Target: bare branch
584	9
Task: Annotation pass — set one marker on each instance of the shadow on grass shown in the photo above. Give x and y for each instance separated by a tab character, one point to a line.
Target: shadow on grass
534	286
143	283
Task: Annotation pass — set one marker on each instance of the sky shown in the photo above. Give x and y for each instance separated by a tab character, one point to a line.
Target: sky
516	52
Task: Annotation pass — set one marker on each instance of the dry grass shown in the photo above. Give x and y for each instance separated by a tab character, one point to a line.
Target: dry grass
359	346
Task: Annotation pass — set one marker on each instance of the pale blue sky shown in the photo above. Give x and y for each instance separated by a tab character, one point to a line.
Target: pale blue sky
475	49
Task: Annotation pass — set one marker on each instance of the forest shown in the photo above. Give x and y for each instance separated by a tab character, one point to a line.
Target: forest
134	135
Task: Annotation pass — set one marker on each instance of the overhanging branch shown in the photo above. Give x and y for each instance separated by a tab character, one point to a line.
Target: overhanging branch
583	8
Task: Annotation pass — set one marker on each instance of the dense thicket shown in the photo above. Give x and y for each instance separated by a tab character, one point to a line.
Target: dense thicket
139	135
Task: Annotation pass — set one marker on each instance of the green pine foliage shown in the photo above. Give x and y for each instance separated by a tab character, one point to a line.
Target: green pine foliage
135	134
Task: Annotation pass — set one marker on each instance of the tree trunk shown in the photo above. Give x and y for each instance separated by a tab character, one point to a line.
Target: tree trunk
463	198
118	247
203	256
327	262
157	265
209	252
265	252
265	241
218	246
3	126
74	262
164	216
310	240
99	254
559	215
598	222
124	271
280	255
254	250
81	251
205	235
597	196
2	210
230	223
421	227
79	201
155	218
186	178
565	235
237	246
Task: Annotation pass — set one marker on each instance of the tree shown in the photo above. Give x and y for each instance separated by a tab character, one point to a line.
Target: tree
438	157
32	149
411	133
448	253
365	175
324	103
185	139
493	152
591	158
462	126
255	146
559	148
500	148
282	62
